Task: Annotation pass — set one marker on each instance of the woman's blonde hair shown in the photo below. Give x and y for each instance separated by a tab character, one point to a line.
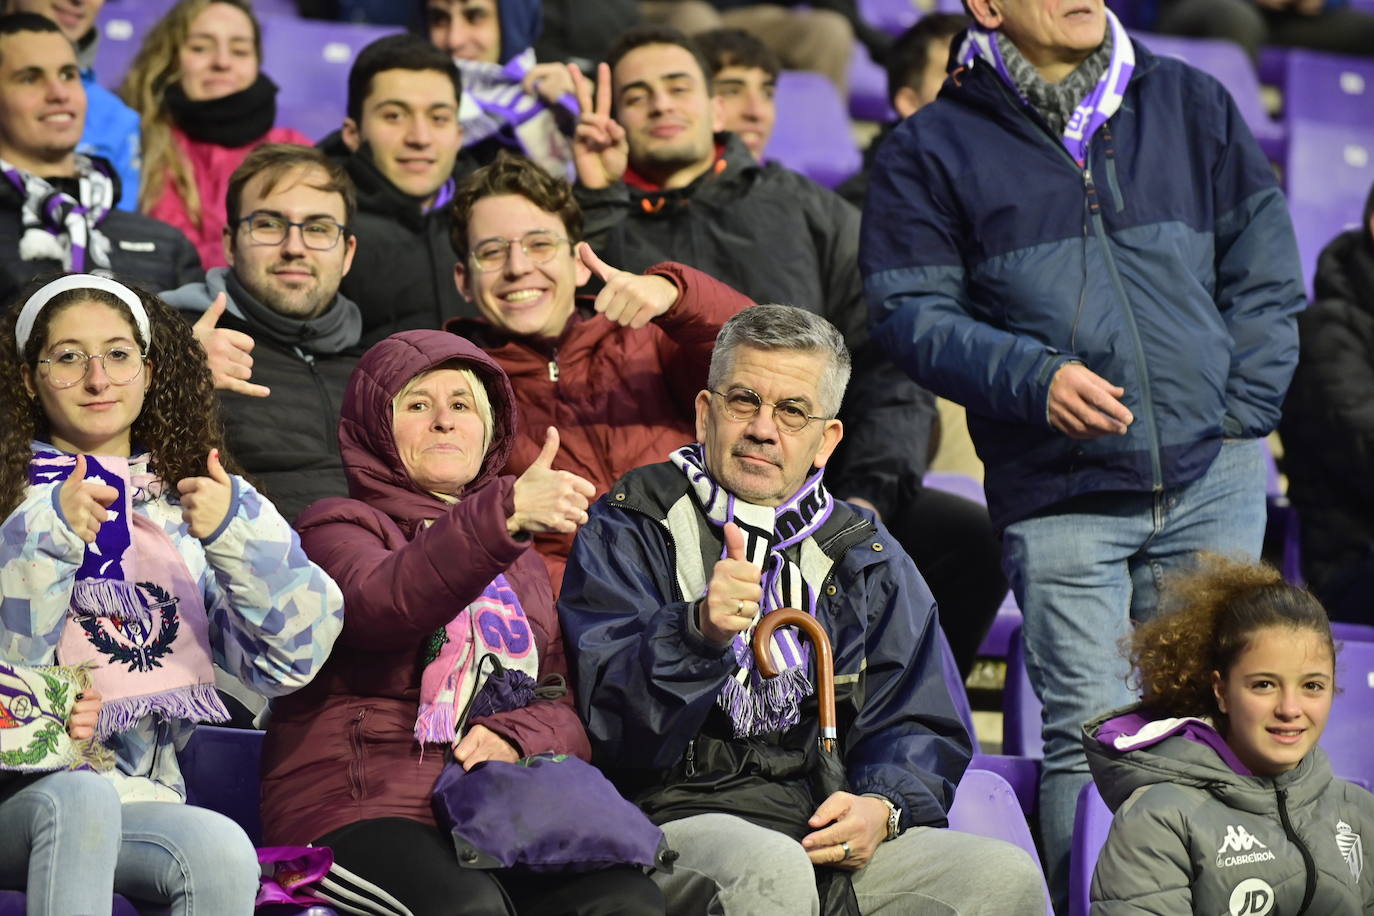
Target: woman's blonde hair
480	398
154	69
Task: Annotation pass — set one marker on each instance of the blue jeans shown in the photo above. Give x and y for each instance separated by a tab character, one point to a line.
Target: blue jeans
1081	573
71	845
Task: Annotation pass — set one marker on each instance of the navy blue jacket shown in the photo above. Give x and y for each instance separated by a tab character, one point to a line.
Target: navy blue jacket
1167	266
646	680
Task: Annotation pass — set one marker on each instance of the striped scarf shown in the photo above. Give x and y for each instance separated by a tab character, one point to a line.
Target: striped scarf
60	227
779	540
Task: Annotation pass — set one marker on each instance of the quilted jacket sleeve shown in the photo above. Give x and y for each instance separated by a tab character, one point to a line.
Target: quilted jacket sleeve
40	558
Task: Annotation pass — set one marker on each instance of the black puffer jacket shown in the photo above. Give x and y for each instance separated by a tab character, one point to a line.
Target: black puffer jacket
777	236
1328	418
144	251
402	276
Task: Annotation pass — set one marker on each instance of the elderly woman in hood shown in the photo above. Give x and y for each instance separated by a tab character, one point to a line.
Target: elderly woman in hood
433	555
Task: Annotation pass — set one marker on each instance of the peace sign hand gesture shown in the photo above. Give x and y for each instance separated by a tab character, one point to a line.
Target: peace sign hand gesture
600	150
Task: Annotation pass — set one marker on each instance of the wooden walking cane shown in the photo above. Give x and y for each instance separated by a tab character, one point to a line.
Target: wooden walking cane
825	662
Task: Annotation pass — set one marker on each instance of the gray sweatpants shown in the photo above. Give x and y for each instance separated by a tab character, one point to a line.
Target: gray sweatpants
730	867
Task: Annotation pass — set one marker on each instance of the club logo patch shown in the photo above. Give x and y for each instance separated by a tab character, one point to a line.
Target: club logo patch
1251	897
1351	847
1244	848
139	645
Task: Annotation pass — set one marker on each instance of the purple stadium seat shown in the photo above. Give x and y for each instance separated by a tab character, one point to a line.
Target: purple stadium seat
1352	632
950	669
1330	170
892	16
122	24
1091	822
1328	88
958	484
1228	63
220	766
1020	708
868	88
813	135
1346	739
310	61
1021	773
984	804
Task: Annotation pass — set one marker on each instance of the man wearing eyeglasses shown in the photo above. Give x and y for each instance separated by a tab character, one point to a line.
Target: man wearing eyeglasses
666	582
616	376
280	338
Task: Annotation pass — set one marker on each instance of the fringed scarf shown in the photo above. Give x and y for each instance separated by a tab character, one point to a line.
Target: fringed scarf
35	706
137	618
1093	92
495	104
60	227
495	625
779	541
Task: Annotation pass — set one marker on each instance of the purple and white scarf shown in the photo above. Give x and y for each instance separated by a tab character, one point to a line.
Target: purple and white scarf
495	103
1093	110
60	227
137	619
779	540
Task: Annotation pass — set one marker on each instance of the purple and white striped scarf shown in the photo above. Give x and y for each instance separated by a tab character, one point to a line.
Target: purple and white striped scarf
62	228
779	541
1094	109
495	104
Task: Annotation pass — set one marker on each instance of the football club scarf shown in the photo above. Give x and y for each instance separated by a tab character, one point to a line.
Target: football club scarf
60	227
779	541
35	705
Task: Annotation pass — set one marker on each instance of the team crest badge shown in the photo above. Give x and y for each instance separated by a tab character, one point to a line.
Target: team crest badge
139	645
1351	847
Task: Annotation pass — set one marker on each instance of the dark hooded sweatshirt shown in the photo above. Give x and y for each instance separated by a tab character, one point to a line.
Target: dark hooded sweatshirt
342	749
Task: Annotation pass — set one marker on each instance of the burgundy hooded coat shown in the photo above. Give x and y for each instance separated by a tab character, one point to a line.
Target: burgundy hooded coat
343	749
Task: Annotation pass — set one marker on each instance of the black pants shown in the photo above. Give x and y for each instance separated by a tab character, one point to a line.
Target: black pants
415	864
956	549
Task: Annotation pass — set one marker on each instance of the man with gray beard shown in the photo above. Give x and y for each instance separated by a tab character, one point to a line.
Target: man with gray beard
280	339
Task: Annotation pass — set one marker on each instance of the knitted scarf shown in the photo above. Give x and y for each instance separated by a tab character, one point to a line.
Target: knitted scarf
35	704
1076	106
495	104
136	618
494	624
779	540
60	227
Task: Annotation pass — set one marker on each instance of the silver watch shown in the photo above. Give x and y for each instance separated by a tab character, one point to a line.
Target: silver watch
894	816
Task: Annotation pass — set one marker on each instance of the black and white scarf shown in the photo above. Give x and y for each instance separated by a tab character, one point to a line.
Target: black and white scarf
60	227
780	541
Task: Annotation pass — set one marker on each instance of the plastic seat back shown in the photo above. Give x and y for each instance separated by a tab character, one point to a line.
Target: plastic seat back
1091	822
984	804
813	135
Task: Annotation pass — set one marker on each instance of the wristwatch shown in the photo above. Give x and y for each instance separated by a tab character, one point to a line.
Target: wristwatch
894	816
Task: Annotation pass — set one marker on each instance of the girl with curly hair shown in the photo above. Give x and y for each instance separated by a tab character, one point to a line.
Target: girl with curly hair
1224	802
134	557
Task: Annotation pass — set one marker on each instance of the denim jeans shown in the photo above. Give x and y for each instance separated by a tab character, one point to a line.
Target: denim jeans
71	845
1082	572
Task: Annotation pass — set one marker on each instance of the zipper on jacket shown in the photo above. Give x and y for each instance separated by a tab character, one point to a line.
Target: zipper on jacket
553	366
331	430
356	776
689	768
1308	863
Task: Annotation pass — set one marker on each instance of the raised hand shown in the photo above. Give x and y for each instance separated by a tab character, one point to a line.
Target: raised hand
734	592
550	81
205	500
84	502
1084	405
229	353
85	713
630	300
549	500
600	150
481	744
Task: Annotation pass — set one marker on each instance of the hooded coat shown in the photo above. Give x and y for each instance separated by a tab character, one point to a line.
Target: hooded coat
1191	835
344	750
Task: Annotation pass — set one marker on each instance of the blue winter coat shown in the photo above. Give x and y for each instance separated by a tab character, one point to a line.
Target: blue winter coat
646	680
1168	266
112	132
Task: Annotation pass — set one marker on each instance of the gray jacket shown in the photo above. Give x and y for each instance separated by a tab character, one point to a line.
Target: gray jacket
1193	836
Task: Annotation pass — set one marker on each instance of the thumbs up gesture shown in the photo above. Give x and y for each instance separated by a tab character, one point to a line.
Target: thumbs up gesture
733	594
630	300
228	353
549	500
205	500
84	501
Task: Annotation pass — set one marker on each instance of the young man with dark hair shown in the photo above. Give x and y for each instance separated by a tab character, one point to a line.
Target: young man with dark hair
57	206
281	339
744	77
399	144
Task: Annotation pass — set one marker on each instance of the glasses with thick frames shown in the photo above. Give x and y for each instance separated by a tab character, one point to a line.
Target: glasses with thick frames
316	234
745	404
539	246
66	368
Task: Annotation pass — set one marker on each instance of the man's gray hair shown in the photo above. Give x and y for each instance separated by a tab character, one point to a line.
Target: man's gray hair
784	327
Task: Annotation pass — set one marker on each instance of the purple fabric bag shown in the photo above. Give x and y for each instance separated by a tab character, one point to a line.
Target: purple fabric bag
289	873
548	813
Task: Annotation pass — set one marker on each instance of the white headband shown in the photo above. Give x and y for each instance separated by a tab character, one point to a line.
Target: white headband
24	326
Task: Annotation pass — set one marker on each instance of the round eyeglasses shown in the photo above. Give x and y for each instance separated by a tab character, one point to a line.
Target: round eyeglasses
316	234
745	404
539	246
66	368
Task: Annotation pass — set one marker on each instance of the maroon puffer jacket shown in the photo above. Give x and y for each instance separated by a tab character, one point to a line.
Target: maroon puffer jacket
342	749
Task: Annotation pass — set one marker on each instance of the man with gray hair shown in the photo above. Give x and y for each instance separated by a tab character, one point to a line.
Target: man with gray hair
666	582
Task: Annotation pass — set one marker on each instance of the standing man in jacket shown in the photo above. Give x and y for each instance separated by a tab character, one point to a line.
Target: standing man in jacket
663	589
1083	244
282	340
399	145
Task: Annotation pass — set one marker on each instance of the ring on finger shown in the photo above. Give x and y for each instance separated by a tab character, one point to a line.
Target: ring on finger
844	847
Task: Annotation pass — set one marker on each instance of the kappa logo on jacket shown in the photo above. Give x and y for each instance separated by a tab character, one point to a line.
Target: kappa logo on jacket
1249	848
1351	847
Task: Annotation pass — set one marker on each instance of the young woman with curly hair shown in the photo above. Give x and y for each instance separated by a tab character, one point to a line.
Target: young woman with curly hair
1224	802
133	555
204	104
